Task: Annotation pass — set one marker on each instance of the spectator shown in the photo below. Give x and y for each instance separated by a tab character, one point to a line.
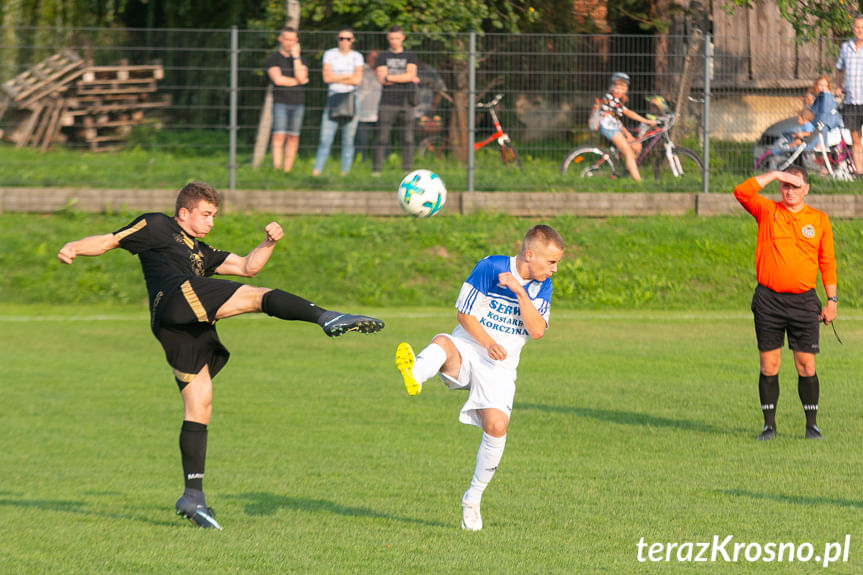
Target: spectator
343	72
849	75
824	107
613	109
368	99
288	74
397	72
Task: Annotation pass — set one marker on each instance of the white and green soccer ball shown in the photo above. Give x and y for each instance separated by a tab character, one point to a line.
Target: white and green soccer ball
422	193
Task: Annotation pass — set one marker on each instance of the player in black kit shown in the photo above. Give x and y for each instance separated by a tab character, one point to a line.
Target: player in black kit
185	303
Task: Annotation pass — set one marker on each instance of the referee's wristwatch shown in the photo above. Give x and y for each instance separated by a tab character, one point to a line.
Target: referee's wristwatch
833	299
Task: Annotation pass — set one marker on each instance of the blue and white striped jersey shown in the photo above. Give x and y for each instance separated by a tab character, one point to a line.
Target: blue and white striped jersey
497	307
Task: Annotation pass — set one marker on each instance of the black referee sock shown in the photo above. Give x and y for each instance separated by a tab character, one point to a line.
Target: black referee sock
284	305
808	389
768	392
193	449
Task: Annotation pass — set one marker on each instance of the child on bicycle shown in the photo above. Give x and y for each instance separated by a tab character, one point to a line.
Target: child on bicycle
791	140
613	109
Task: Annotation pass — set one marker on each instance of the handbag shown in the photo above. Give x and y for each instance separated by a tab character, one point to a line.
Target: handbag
342	105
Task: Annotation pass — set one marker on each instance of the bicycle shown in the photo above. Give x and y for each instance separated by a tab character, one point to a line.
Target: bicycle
507	151
831	155
679	161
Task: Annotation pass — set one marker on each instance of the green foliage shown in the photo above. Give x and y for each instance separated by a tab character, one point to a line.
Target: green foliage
620	263
435	19
812	20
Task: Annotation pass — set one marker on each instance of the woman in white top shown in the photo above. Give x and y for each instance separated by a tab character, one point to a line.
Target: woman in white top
343	71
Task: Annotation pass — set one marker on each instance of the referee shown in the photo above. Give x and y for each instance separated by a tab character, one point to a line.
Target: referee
185	303
795	242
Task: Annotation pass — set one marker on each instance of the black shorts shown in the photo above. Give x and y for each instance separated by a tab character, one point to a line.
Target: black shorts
852	115
797	314
184	323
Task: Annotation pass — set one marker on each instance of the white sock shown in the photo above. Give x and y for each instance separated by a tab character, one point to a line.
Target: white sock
487	459
428	362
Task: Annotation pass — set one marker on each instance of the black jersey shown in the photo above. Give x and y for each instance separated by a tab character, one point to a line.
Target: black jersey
169	256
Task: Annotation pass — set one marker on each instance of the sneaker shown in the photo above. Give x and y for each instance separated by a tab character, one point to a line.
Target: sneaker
767	434
812	432
471	520
200	515
405	359
335	324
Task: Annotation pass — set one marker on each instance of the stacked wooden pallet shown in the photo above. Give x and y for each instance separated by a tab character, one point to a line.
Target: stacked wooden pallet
64	99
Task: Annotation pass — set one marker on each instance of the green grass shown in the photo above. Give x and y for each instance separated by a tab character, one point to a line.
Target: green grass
627	424
620	263
178	157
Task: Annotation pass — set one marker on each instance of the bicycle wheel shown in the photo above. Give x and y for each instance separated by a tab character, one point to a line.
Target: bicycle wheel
686	164
587	162
509	155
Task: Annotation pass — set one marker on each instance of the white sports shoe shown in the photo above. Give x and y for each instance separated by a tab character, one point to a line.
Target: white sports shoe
471	520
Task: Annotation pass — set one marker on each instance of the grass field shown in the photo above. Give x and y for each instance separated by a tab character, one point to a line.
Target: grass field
627	424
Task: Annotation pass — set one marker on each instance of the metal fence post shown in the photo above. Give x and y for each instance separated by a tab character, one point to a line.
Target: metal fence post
232	162
471	109
708	69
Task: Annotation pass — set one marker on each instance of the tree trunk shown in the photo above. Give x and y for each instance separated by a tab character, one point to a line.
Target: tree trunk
293	10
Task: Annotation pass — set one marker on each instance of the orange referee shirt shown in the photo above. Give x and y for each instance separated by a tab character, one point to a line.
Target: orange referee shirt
792	247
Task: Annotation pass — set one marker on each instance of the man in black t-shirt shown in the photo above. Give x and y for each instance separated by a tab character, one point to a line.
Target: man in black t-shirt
185	303
288	73
397	71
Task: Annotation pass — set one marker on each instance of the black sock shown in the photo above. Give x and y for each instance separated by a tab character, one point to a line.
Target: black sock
284	305
768	392
193	449
808	390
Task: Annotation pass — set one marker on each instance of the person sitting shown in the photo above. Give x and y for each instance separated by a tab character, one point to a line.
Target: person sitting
613	109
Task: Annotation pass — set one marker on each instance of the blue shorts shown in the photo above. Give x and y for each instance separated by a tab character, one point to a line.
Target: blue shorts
607	133
288	118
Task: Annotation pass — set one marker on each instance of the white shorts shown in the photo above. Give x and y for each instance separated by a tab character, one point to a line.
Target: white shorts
488	384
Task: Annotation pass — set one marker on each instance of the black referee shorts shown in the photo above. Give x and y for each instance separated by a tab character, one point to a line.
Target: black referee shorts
184	323
796	314
852	116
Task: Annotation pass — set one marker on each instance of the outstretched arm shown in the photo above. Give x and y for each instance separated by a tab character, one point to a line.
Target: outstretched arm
632	115
89	246
254	262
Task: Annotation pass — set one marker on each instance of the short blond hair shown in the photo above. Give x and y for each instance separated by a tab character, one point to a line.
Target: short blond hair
544	235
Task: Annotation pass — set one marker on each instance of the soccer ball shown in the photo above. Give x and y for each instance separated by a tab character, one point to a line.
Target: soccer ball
422	193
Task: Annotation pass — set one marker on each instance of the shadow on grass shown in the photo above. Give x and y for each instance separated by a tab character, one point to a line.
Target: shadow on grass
793	499
84	509
628	418
268	503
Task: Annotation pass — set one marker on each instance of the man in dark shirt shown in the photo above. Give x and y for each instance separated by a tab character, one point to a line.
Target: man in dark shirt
288	73
397	71
185	303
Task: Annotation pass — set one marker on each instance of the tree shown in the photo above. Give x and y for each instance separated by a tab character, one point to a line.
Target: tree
446	21
811	20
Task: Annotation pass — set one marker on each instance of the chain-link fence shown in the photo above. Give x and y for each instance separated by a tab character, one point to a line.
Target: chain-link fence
214	85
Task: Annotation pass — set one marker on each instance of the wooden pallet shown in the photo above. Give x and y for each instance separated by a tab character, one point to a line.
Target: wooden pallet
123	72
50	76
97	105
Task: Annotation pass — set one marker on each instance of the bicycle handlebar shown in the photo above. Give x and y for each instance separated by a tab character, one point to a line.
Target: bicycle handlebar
491	103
